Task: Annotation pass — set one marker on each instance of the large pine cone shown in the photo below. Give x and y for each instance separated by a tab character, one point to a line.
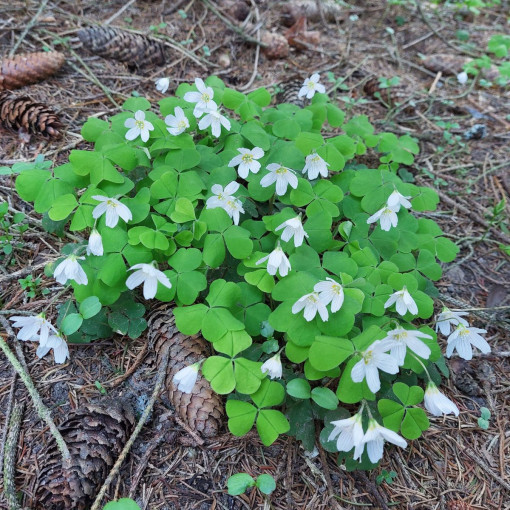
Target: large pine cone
95	435
202	409
23	113
136	50
31	68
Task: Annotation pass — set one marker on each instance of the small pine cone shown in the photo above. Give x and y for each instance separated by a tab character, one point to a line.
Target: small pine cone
202	409
95	436
23	113
389	96
458	505
137	50
31	68
289	91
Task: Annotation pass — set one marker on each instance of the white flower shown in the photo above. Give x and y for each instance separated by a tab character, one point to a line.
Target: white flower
438	404
273	367
447	318
282	175
330	292
138	126
31	326
70	269
224	198
113	209
276	261
221	195
311	86
349	432
177	123
234	207
162	84
312	304
293	227
214	119
186	378
374	359
462	77
247	161
463	338
149	276
203	98
59	346
386	216
401	339
95	245
315	165
395	200
403	302
374	439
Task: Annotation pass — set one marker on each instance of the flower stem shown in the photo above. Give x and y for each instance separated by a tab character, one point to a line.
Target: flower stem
42	410
421	363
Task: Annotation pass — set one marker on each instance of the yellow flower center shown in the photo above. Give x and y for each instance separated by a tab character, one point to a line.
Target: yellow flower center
247	158
336	288
401	336
282	170
182	124
312	298
316	158
140	124
220	196
367	357
205	98
311	85
111	203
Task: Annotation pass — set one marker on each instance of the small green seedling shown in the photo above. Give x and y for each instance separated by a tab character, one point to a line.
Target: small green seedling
485	416
386	476
240	482
122	504
30	286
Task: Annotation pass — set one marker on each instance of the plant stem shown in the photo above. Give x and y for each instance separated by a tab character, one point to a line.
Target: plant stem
9	459
43	412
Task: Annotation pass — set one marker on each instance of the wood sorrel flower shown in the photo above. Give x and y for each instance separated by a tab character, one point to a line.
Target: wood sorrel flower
293	228
374	439
330	292
315	166
401	339
177	123
463	338
247	161
203	98
95	245
349	432
31	326
162	84
214	119
113	209
438	404
312	304
273	367
446	319
186	378
138	127
70	269
276	261
403	302
375	358
283	177
387	217
149	276
311	86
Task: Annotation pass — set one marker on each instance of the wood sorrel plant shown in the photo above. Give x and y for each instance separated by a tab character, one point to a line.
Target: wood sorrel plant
266	237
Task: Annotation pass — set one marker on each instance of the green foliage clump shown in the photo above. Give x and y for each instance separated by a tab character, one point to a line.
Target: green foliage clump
219	286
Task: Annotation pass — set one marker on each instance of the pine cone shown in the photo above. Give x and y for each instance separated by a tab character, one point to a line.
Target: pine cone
23	113
95	436
202	409
289	91
115	44
389	96
31	68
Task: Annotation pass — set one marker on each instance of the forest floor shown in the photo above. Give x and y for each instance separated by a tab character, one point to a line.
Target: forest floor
456	464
